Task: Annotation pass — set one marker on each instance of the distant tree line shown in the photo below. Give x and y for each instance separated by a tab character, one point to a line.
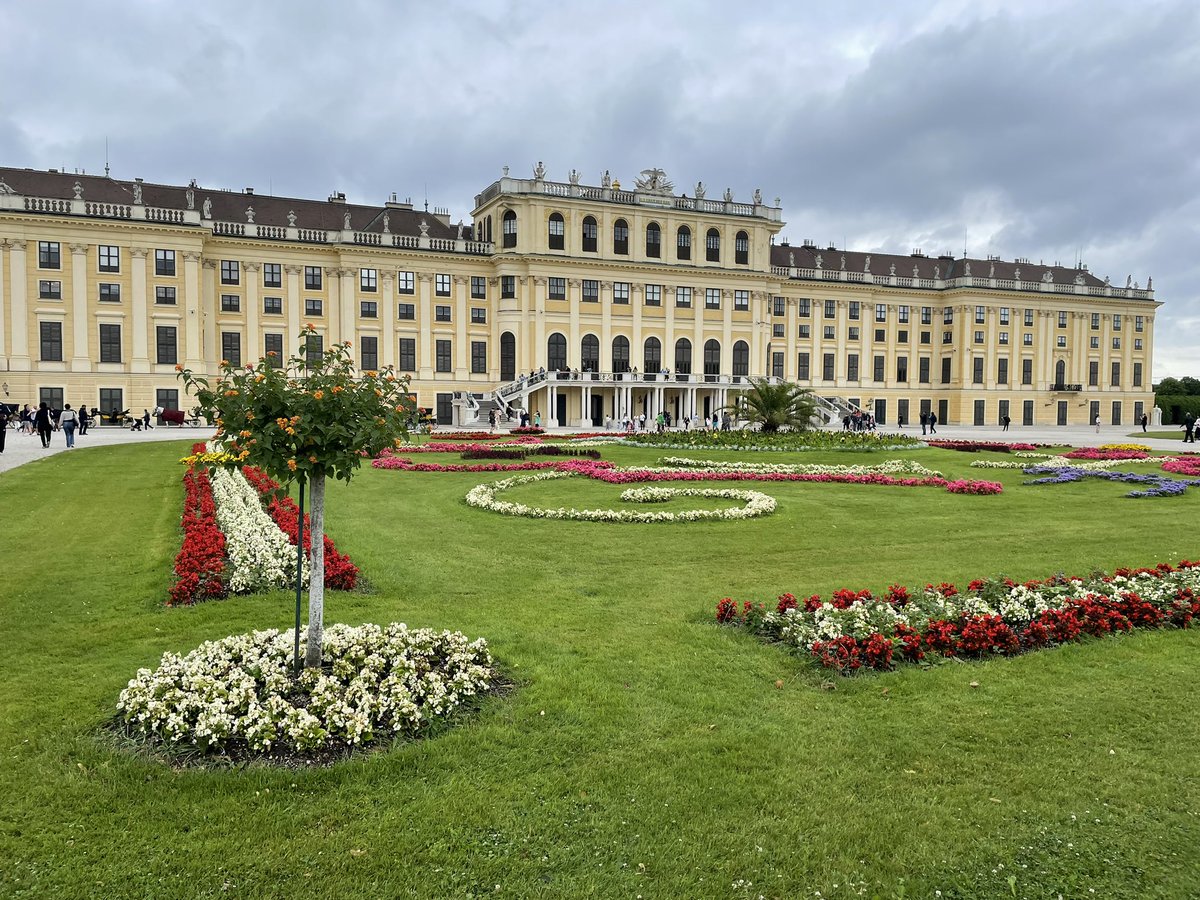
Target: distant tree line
1177	397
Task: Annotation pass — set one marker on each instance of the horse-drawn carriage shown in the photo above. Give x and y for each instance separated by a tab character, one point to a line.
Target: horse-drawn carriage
178	417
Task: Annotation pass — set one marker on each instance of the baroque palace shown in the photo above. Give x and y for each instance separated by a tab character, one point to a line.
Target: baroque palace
582	303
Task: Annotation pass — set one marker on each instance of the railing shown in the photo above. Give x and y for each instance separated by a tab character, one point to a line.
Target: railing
798	273
312	235
507	185
108	210
162	214
1074	388
272	232
47	205
232	229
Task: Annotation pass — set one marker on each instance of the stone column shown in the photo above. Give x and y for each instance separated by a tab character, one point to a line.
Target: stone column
81	327
19	327
637	349
4	362
210	349
461	359
252	345
140	360
193	320
293	305
606	336
425	326
387	303
538	355
348	313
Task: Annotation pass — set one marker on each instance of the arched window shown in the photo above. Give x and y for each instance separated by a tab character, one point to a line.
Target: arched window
556	352
741	358
557	231
1060	373
589	353
683	243
653	356
712	245
620	350
683	356
653	241
591	234
621	237
712	357
741	249
508	356
508	225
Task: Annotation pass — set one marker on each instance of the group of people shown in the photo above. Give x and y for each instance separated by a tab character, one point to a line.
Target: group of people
864	421
44	421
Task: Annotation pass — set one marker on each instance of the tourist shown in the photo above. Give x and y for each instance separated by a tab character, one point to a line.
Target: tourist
1007	421
67	420
146	419
1189	423
537	418
44	424
27	419
933	420
3	424
924	422
1145	422
1096	422
900	422
83	420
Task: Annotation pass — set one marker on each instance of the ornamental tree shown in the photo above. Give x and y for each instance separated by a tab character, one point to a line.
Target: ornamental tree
303	419
776	406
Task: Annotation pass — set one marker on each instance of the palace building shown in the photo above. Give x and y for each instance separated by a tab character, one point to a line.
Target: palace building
583	303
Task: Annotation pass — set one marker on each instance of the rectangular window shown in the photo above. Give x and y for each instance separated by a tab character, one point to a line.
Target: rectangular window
778	306
828	332
902	337
231	347
741	300
903	315
946	370
1116	343
110	343
1003	338
880	312
1062	341
408	355
1094	373
802	367
590	290
977	370
1027	371
712	298
508	287
855	310
368	309
621	292
164	296
805	330
49	255
1002	371
1116	375
778	330
923	370
926	337
1139	323
683	296
557	289
442	356
312	278
406	311
947	337
979	337
110	258
1116	321
368	280
980	315
1137	343
441	314
1094	342
654	295
110	293
111	400
368	346
1062	318
926	315
272	275
1137	375
803	305
51	341
164	263
1095	321
479	357
830	310
231	303
166	345
777	365
879	374
406	283
273	350
881	334
441	286
49	290
273	306
314	349
1004	315
1027	339
478	287
314	306
827	367
902	368
1029	318
855	332
478	315
231	272
948	315
852	366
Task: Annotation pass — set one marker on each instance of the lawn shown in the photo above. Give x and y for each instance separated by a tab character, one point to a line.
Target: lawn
644	751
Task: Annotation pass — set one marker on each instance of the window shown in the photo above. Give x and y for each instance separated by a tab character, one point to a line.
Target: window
52	290
777	365
1027	371
1139	323
855	311
683	296
712	298
1029	318
879	370
805	331
312	278
272	275
683	243
1137	374
1002	371
1137	343
712	245
948	315
652	356
979	337
621	292
802	366
231	272
1116	322
654	295
1062	318
880	334
712	357
591	235
368	280
653	241
1062	341
855	333
980	316
273	349
1095	321
926	315
977	370
479	357
902	368
442	356
591	290
779	306
478	315
620	353
902	315
777	330
926	337
478	287
231	347
589	353
946	370
110	258
50	255
1093	373
741	300
1027	339
165	345
902	337
442	286
406	311
1094	342
556	352
508	228
947	337
368	309
621	237
923	370
111	399
164	263
1116	375
508	287
313	306
556	231
368	348
828	332
558	289
1004	315
827	370
741	358
164	296
405	283
110	343
51	341
741	249
441	314
273	306
1003	338
408	355
232	303
852	367
314	345
110	293
880	312
1116	343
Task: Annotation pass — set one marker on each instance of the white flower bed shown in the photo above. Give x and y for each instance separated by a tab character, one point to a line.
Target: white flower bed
756	504
260	555
1061	462
890	467
239	694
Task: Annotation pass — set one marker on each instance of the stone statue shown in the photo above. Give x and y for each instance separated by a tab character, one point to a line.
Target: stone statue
892	269
1016	274
208	207
346	221
190	194
728	195
820	261
1079	278
1137	286
843	262
292	219
791	259
967	269
573	176
539	172
504	171
916	272
991	270
137	194
937	272
867	266
1047	277
1150	284
250	214
758	196
387	224
460	229
1107	282
699	190
424	226
654	181
78	191
606	180
5	189
1128	278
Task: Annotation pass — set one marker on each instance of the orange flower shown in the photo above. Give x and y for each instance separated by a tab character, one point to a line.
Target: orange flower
337	388
378	392
224	362
294	420
232	392
312	459
318	395
292	464
272	353
310	327
281	422
290	431
244	433
178	367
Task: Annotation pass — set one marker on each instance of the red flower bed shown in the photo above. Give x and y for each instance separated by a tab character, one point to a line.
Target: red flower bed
975	446
1093	453
200	563
340	573
1184	465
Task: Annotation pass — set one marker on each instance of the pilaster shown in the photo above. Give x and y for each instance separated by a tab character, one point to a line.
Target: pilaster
19	361
80	326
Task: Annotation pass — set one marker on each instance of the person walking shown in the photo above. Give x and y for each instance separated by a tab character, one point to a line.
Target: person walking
67	420
924	422
43	423
83	420
933	420
3	424
146	419
1007	422
1145	422
1096	422
1189	423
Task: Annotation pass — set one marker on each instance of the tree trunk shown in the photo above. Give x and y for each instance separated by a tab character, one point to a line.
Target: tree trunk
316	571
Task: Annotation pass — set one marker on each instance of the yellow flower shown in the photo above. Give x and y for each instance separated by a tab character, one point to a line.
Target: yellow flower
337	388
232	392
290	431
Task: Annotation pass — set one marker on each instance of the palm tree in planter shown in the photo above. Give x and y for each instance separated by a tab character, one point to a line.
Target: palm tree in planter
303	419
776	406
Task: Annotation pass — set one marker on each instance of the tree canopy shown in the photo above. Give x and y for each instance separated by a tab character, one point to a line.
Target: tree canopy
776	406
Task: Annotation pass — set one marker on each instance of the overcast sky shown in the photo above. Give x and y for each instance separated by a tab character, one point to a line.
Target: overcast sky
1048	130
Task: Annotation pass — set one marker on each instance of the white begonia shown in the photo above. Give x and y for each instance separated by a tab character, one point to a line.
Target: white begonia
260	555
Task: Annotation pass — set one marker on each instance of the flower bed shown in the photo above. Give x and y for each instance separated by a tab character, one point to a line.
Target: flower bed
778	441
1183	465
260	556
976	446
1101	453
890	467
1160	486
200	564
508	452
237	697
854	630
528	429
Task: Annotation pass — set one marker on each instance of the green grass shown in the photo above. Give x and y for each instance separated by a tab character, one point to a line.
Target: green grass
644	751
